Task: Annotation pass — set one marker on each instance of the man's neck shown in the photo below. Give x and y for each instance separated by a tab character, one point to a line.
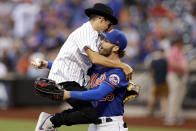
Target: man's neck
114	57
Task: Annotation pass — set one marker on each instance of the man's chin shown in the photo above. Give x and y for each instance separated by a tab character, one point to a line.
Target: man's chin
106	31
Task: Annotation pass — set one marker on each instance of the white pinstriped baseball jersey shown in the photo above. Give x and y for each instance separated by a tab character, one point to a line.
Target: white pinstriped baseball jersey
72	63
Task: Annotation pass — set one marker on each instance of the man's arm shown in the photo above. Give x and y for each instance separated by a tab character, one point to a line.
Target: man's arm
98	59
90	95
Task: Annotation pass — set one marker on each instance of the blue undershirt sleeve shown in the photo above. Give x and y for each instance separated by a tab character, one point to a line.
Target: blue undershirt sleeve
49	64
92	95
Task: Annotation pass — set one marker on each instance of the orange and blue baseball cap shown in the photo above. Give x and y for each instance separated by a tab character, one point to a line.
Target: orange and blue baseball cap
116	37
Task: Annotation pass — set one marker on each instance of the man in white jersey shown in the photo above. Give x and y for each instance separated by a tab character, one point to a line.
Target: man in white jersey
72	62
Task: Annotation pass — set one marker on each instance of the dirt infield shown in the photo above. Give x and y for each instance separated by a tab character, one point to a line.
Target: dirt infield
33	113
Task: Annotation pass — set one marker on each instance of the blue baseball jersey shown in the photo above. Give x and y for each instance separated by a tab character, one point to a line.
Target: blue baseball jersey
112	104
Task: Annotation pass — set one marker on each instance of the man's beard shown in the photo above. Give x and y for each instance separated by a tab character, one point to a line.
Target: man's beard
106	52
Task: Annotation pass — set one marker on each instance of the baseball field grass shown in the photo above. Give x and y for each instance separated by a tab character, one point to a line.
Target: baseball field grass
29	125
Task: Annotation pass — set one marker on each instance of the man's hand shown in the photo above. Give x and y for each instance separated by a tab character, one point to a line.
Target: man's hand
127	70
66	95
39	63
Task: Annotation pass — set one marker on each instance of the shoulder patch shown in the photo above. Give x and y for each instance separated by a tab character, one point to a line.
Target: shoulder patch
114	79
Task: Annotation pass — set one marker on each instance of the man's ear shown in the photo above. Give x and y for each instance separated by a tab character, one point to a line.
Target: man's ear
116	48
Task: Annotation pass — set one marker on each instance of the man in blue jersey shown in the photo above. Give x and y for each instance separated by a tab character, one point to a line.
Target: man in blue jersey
108	86
108	89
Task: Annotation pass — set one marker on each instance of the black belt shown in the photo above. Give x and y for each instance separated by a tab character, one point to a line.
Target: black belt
100	121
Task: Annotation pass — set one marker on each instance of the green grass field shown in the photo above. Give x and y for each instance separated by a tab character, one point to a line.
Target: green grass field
28	125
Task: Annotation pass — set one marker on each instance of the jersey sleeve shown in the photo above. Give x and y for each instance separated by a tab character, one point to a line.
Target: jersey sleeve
92	95
86	38
115	78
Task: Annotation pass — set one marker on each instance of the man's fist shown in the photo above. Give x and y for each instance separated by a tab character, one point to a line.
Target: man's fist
127	70
38	63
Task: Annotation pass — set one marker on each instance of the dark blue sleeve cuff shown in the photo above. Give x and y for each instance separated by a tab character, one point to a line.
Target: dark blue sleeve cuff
49	64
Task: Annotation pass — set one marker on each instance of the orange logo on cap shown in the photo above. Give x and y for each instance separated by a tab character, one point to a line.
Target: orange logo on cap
117	42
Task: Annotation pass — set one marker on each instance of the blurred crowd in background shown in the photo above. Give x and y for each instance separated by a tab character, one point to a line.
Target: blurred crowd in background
30	28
